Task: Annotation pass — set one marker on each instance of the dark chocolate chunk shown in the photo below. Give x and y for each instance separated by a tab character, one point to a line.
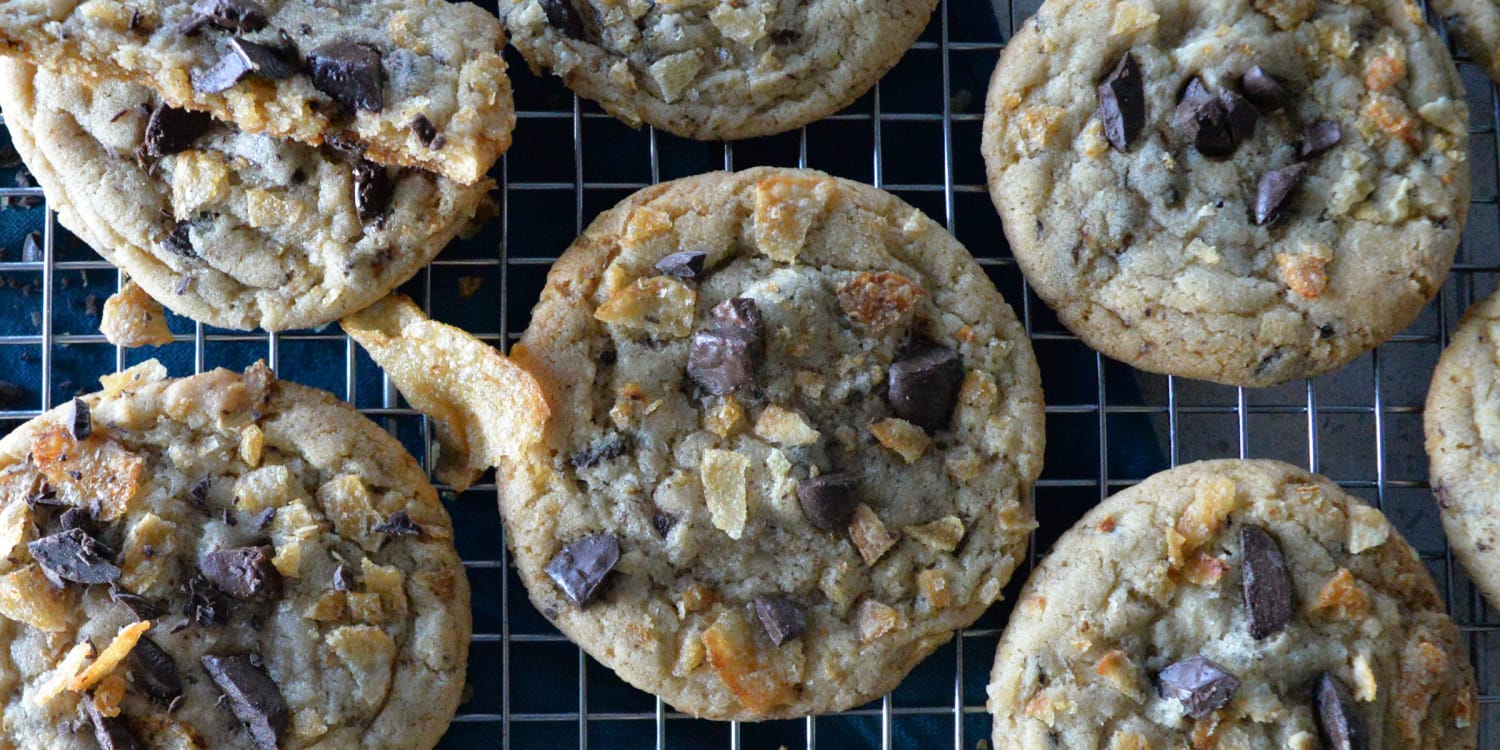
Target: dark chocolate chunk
1210	130
350	73
742	313
78	418
829	500
1319	137
264	519
1202	686
782	618
1276	186
11	394
242	58
203	602
140	606
1264	582
154	671
73	518
198	493
579	568
372	190
785	36
180	240
684	265
603	450
1194	97
426	132
561	15
1338	721
32	250
723	359
240	16
110	731
924	384
73	555
1122	103
662	524
253	697
243	573
1240	114
343	578
1263	89
398	524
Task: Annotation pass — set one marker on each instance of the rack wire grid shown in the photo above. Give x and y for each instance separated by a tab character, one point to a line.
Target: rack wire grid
917	135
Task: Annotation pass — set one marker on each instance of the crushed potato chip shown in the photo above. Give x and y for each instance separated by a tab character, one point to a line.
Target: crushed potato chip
1121	673
723	476
64	673
368	653
869	535
942	535
785	427
387	581
97	471
15	526
734	657
873	619
935	588
1368	528
908	440
111	656
673	73
27	596
879	301
108	694
658	305
1213	500
786	206
725	417
346	502
1341	598
132	318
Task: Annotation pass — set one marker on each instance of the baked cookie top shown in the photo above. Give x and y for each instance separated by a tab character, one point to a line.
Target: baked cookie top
1243	604
1232	191
715	70
234	229
794	427
1476	23
222	561
1462	423
411	82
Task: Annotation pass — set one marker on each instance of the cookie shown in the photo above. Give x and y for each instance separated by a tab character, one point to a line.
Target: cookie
233	229
793	430
1476	23
1235	192
410	82
1243	604
716	71
1462	424
223	561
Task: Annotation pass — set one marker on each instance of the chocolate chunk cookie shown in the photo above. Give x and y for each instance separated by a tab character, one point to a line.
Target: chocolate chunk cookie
773	487
1476	23
1246	193
713	70
230	228
1243	604
198	563
408	82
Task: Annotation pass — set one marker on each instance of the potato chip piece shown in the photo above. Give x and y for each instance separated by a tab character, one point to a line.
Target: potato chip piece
785	427
368	653
659	305
96	471
723	476
786	205
132	318
111	656
870	535
27	596
732	652
64	673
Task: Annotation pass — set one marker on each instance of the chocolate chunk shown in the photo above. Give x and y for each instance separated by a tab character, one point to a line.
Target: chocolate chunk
662	524
264	519
561	15
603	450
204	603
76	415
1264	582
684	265
73	555
924	384
1275	187
31	248
1210	130
154	671
180	240
242	58
110	731
350	73
426	132
742	313
198	493
1240	114
723	359
398	524
1194	97
74	518
140	606
1122	103
343	578
784	36
171	130
1202	686
1319	137
829	500
240	16
243	572
253	697
1338	721
579	568
782	618
1263	89
372	190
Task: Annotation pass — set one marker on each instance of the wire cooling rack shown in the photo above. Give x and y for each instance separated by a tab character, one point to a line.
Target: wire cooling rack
917	135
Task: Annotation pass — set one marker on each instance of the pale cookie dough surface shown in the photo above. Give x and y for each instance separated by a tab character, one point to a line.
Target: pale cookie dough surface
1152	255
702	491
716	70
1462	423
274	236
1476	23
1152	576
370	656
439	61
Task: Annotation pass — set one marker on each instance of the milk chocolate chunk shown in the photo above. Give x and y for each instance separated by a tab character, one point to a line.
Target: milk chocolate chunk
171	131
924	383
579	568
1262	89
253	697
244	573
73	555
723	359
742	313
1202	686
1276	186
1338	721
1318	137
1264	582
350	73
1122	103
684	265
154	672
829	500
782	618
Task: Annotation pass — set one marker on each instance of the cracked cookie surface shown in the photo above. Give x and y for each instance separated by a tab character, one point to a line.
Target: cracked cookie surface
166	541
1175	261
714	70
230	228
1156	577
1476	23
794	428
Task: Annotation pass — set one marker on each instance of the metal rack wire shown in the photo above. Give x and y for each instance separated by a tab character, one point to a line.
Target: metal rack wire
1111	426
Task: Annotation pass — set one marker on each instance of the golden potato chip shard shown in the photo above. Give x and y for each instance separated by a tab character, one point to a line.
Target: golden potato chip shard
132	318
908	440
252	442
942	535
1121	673
784	427
1342	598
1368	528
328	608
27	596
1213	500
368	653
15	526
148	544
659	305
97	471
346	502
486	408
935	587
388	582
869	535
108	694
723	476
874	619
150	371
786	205
111	656
740	665
64	673
879	301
